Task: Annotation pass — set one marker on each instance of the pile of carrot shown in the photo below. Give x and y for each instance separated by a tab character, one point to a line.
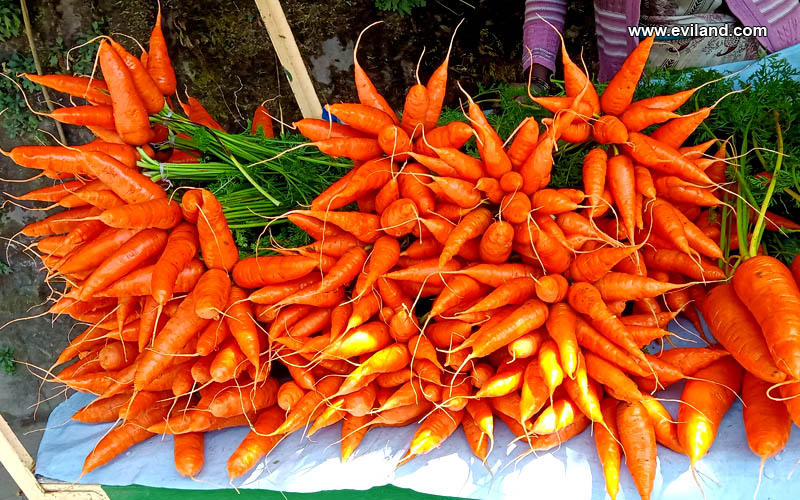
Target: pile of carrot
461	291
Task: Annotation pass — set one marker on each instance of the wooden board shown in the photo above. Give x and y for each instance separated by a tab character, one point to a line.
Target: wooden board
285	45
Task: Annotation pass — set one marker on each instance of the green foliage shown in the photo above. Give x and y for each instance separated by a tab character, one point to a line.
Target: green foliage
7	362
4	269
81	60
17	118
402	7
10	19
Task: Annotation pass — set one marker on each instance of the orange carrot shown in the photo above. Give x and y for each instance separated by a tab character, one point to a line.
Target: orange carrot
619	93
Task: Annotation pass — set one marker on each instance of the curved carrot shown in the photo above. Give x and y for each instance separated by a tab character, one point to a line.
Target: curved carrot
158	63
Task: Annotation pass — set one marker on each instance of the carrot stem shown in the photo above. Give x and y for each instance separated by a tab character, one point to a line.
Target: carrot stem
758	231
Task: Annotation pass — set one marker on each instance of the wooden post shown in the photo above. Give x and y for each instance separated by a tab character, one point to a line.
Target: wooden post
19	464
289	54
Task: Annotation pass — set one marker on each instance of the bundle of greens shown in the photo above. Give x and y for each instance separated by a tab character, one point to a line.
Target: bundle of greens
257	179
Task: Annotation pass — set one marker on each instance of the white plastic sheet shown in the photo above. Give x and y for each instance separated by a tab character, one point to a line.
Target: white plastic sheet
300	464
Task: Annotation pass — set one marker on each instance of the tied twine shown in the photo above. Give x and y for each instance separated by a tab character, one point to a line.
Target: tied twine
164	175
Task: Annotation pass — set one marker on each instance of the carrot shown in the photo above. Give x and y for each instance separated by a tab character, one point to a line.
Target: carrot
561	324
453	135
507	379
734	327
364	339
181	247
552	288
525	318
662	157
367	93
622	184
131	120
594	265
620	286
536	169
433	431
189	453
388	359
95	116
257	443
361	117
679	262
117	355
608	129
102	410
262	123
235	400
53	193
766	422
123	437
126	183
638	117
619	93
524	143
319	130
595	165
365	227
638	439
471	226
706	399
138	282
158	62
161	213
184	325
766	286
792	401
62	222
415	109
146	88
141	247
457	191
216	240
94	91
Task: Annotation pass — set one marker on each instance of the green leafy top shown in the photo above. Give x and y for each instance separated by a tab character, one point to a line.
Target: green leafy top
402	7
10	19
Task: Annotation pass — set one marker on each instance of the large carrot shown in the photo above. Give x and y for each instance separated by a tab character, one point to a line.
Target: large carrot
706	399
734	327
766	422
126	183
638	440
766	286
130	116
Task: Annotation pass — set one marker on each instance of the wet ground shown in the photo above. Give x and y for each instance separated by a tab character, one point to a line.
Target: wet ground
223	56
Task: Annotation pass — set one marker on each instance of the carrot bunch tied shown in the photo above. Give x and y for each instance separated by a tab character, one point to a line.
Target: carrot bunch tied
439	288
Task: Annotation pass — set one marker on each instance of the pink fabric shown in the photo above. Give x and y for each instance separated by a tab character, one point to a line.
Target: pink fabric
612	18
538	36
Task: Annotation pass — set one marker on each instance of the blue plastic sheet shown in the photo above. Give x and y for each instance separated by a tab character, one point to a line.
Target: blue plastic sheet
299	464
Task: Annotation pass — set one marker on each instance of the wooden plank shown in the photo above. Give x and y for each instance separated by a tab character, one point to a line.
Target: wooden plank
19	464
289	54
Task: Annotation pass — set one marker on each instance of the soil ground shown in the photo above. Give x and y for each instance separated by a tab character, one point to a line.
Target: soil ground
223	57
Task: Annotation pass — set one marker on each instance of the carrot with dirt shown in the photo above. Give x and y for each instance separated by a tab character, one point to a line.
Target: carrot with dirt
257	443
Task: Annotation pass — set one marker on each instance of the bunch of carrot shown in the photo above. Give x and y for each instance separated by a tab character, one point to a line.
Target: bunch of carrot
461	291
